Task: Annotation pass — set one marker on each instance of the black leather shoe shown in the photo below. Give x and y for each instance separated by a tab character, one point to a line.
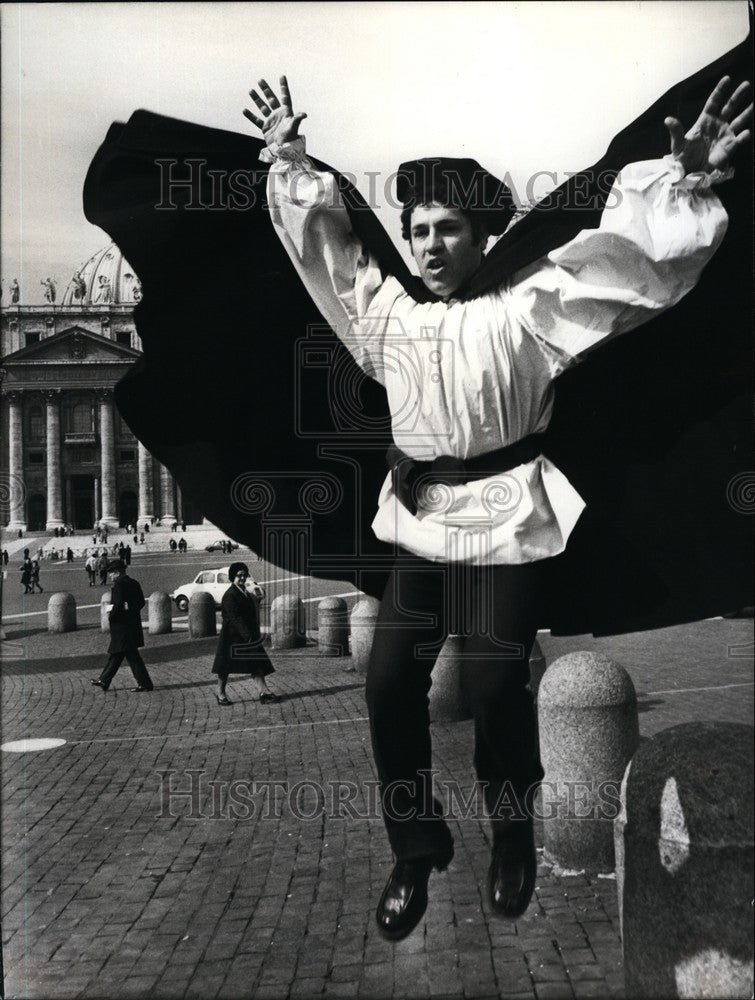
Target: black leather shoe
404	899
98	684
139	689
512	874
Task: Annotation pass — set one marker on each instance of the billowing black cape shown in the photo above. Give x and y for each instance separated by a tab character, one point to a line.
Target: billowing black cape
653	429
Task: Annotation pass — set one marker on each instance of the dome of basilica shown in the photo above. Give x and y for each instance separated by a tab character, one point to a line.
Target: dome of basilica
105	279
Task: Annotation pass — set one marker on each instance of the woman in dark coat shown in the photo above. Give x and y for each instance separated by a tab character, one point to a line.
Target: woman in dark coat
26	573
240	647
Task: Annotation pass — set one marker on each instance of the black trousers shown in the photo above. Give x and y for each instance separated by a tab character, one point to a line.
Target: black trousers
135	661
496	609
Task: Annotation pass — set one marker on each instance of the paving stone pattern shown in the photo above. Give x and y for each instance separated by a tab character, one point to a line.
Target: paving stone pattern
116	882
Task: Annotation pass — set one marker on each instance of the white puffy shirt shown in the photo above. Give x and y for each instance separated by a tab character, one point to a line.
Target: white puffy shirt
465	378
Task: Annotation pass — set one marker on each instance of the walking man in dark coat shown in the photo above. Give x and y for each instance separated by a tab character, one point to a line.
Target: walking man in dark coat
126	635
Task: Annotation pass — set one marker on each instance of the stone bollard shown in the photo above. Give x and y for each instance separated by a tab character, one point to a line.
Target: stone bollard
105	600
587	717
363	619
159	614
684	863
287	622
61	613
447	701
333	627
202	615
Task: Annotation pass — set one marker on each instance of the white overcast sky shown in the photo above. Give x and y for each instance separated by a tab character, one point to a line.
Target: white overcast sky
522	87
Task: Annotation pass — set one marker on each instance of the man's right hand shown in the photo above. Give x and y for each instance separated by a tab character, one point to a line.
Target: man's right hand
278	122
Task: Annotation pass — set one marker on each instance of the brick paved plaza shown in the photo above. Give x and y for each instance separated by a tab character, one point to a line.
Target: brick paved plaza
111	887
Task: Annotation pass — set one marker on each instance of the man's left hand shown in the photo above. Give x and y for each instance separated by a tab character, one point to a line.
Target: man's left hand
717	134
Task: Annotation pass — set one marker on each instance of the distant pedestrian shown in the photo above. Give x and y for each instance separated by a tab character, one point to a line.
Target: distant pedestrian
174	526
34	579
172	545
126	633
102	567
26	572
127	555
183	525
240	649
5	557
141	537
69	554
122	551
91	567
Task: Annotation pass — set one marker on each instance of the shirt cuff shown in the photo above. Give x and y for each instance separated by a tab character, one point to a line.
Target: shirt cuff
697	179
290	152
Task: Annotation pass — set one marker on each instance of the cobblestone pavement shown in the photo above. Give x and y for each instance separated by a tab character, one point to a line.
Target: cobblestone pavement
136	863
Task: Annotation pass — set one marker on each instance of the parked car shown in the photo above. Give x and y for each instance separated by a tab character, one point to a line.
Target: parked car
211	581
221	545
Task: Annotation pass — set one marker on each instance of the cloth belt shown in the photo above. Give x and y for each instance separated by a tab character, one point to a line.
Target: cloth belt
408	475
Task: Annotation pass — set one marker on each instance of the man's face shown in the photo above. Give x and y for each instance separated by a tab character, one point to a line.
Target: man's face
444	247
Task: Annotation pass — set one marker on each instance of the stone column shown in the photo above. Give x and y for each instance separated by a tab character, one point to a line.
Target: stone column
108	517
54	475
16	488
97	508
146	502
167	504
69	502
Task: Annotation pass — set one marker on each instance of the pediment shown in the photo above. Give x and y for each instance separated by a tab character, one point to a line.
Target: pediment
73	346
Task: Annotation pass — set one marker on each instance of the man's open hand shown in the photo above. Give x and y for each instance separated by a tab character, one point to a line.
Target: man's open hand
717	134
278	123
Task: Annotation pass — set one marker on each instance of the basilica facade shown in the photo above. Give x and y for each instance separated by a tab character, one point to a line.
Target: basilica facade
67	456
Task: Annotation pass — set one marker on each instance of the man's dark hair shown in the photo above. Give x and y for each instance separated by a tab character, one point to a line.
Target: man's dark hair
438	194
